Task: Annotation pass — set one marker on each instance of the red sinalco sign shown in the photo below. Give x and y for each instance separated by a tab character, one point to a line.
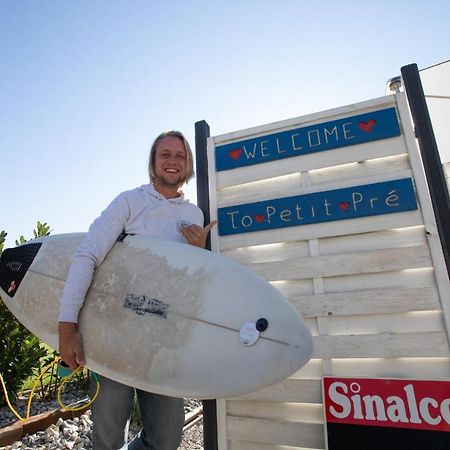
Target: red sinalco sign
355	407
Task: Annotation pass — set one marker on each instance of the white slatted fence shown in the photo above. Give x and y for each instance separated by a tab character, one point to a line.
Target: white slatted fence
373	290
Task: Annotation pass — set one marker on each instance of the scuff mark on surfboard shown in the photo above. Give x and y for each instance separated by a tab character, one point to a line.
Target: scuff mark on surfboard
150	280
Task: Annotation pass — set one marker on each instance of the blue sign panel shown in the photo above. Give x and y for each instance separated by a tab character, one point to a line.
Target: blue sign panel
368	127
339	204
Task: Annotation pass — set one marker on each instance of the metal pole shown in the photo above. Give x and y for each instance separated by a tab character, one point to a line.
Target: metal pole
430	155
202	132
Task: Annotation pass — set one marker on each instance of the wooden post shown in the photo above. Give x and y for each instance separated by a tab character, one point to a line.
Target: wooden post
202	132
430	155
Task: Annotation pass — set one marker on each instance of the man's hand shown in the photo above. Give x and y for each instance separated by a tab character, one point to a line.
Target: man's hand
71	345
196	235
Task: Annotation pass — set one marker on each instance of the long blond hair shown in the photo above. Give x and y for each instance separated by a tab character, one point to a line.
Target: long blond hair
190	160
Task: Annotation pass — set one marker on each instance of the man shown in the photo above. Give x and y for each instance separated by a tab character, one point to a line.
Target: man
157	209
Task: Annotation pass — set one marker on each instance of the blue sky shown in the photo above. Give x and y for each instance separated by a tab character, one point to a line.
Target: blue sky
85	86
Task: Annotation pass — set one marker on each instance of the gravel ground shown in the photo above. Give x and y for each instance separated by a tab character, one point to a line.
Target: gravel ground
73	395
76	434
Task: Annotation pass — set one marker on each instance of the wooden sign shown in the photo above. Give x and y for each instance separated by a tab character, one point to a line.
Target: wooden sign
384	413
348	203
338	133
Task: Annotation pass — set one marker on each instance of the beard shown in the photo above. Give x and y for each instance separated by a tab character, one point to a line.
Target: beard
170	181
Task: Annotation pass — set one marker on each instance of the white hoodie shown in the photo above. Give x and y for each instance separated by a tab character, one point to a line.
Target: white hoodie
140	211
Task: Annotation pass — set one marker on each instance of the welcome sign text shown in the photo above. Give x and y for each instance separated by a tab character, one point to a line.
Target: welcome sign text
353	130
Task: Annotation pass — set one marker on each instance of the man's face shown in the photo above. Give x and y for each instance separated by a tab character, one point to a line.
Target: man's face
170	165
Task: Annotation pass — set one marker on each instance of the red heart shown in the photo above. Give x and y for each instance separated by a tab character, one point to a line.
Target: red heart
367	126
236	153
259	218
344	205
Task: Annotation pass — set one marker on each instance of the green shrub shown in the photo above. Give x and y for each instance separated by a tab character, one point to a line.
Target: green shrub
20	350
2	240
20	353
42	229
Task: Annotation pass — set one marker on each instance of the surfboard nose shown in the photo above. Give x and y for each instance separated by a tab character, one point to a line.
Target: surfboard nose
14	264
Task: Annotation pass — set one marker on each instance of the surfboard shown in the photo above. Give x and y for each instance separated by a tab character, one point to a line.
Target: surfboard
162	316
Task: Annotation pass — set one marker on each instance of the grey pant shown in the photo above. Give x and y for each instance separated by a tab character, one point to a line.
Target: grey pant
162	418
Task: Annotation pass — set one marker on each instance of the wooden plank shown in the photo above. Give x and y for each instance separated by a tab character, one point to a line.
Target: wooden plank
417	368
268	252
446	168
403	279
242	445
368	169
294	287
304	163
290	411
311	370
290	390
344	264
382	345
353	174
405	237
420	368
373	301
221	413
276	432
313	326
417	321
323	230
